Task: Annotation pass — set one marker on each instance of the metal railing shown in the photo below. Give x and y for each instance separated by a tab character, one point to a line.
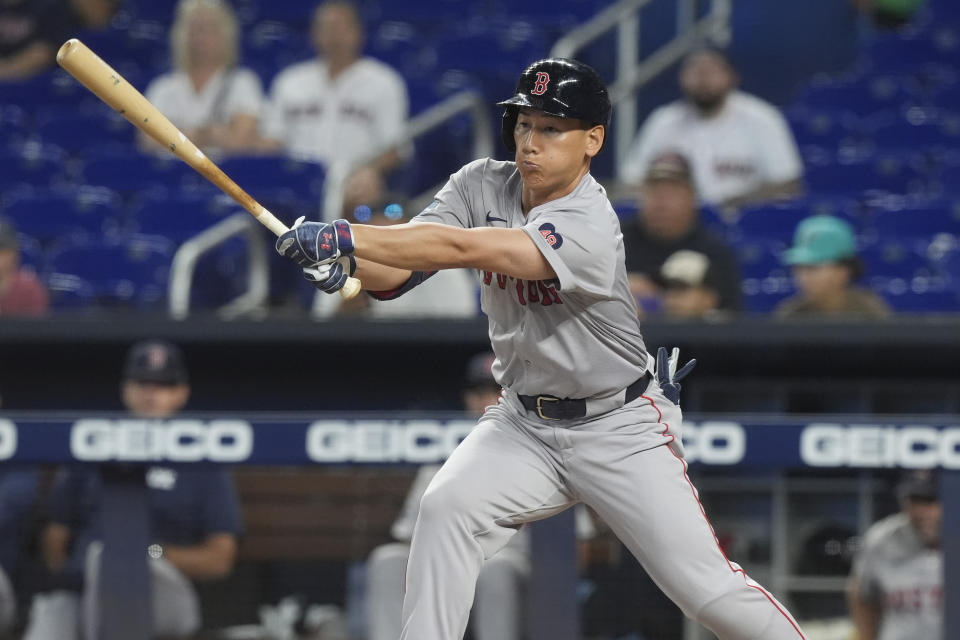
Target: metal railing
631	73
469	102
185	263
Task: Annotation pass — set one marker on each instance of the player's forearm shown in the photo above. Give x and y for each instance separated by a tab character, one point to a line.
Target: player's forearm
429	247
380	277
209	560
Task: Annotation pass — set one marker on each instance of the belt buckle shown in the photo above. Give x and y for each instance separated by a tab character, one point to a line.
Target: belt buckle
540	401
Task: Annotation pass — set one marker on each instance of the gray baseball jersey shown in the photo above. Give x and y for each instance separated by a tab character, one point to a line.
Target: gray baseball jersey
903	577
577	336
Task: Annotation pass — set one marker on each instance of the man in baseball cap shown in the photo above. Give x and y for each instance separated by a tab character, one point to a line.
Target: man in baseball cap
897	580
155	381
690	285
668	221
825	267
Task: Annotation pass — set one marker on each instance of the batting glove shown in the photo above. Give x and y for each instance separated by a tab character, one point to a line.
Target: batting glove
331	277
310	244
667	375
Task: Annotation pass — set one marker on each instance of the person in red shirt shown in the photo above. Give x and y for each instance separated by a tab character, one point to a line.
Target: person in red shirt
21	292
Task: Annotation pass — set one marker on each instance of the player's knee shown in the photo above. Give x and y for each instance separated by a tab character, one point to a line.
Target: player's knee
444	502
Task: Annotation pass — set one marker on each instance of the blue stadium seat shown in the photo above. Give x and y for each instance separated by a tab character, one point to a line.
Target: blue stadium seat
760	260
130	171
49	215
260	174
936	132
894	51
83	132
919	295
180	217
822	126
762	295
774	221
916	222
51	89
946	96
892	259
12	125
31	164
949	179
130	272
862	97
31	252
892	173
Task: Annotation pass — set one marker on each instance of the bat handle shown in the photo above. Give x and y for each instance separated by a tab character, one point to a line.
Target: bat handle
270	221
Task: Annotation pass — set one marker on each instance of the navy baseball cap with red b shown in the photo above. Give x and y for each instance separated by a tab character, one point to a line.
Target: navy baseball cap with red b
155	361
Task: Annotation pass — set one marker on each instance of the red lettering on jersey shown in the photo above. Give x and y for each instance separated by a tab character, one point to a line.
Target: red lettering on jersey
533	294
502	280
520	292
540	84
487	277
548	293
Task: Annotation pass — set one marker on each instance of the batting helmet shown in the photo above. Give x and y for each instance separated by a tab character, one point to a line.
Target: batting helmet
559	87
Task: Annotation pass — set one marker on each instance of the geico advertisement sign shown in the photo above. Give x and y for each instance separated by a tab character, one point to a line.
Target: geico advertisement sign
8	439
714	442
866	445
385	440
96	440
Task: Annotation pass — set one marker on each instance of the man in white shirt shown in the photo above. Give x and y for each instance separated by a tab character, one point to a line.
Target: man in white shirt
740	146
338	105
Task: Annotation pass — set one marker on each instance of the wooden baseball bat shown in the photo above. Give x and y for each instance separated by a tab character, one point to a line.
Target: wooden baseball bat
111	87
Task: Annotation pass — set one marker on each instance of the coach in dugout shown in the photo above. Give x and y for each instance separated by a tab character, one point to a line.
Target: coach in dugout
194	519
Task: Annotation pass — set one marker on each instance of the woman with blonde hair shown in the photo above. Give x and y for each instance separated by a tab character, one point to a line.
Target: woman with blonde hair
213	101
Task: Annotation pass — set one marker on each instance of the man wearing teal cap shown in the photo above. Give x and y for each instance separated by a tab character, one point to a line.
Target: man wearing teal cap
825	266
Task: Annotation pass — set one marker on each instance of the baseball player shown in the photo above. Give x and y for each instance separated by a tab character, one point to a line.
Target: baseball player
583	417
896	586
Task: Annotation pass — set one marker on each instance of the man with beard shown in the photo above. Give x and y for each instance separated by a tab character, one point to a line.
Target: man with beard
740	146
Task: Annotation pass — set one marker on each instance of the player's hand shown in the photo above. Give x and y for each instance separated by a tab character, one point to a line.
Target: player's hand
331	277
667	375
310	244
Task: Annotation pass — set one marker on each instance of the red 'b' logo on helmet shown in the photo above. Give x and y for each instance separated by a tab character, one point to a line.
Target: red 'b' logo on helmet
540	86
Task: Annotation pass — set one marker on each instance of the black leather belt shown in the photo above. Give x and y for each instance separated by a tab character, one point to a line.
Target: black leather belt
553	408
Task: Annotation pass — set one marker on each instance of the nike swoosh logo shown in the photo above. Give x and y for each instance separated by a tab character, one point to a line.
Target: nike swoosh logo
491	218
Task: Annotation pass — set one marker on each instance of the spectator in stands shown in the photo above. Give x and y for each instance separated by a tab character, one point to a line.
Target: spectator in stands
690	284
31	32
668	221
339	106
213	101
21	293
18	493
895	590
740	146
450	293
195	518
825	267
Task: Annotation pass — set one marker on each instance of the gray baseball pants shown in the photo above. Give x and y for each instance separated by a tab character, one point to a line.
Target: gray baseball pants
627	465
